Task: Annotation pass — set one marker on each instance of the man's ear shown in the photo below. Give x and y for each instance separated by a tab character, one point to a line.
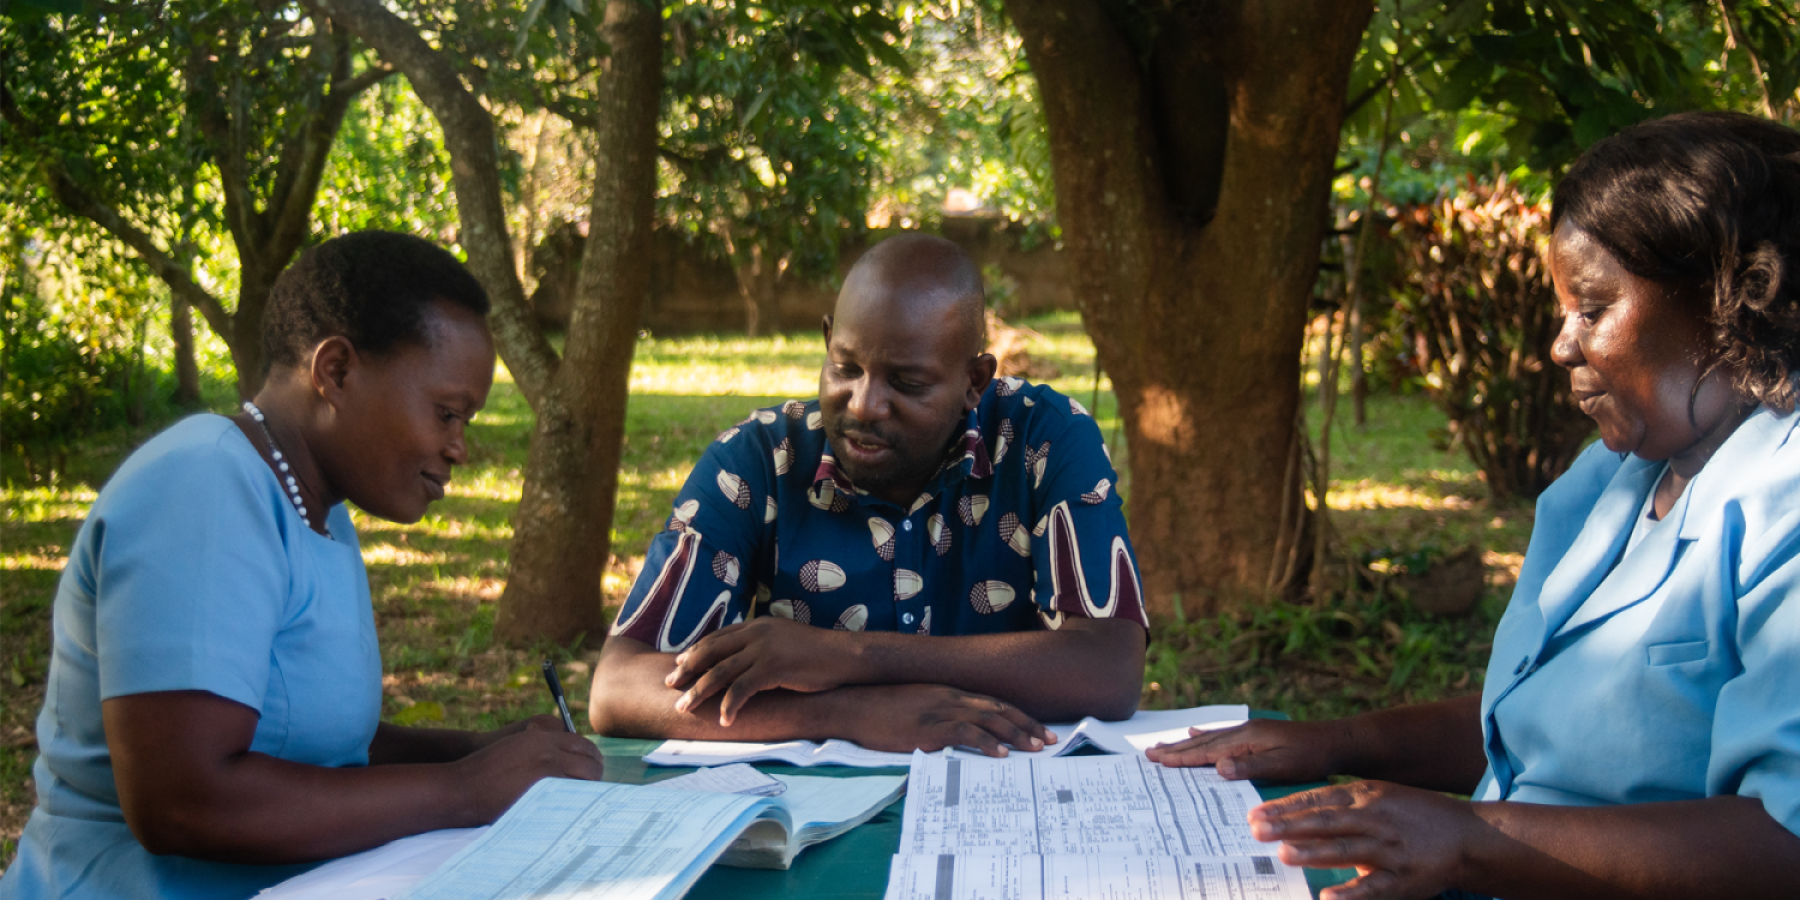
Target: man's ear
981	373
332	361
825	328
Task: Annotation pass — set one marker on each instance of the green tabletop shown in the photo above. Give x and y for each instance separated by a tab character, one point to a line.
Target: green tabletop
851	867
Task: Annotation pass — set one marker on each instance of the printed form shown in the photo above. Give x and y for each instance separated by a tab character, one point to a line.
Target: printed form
585	839
1120	827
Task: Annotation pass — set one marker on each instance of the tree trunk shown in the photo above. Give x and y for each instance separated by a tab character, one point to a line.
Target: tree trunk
562	535
562	530
475	175
254	283
187	369
1192	177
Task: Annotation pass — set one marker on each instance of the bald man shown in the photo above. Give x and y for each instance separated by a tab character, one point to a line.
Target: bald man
923	557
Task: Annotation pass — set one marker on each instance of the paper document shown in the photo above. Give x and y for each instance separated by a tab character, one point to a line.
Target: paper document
817	809
947	877
1134	735
1082	805
1119	827
794	753
586	839
737	778
1142	731
379	873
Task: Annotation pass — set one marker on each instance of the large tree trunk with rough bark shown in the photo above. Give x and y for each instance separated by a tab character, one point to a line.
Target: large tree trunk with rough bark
562	532
562	535
1193	148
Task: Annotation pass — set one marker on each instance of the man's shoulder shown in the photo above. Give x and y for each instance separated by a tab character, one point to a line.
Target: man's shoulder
779	437
788	420
1025	408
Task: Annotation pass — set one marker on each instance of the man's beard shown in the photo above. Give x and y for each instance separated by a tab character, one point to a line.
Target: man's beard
911	462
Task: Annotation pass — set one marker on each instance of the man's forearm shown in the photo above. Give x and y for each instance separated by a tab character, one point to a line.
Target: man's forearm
1087	668
631	699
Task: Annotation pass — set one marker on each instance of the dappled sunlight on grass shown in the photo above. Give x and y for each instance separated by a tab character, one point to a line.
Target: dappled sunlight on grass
1368	494
15	561
487	484
391	555
782	365
48	504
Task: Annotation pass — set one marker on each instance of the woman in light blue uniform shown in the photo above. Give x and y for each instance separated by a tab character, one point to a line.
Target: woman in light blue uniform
1638	733
211	723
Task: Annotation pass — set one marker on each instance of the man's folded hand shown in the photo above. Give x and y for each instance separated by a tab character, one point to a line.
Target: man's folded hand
759	655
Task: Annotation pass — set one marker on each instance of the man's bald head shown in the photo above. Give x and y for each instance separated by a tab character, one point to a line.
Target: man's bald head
918	277
905	363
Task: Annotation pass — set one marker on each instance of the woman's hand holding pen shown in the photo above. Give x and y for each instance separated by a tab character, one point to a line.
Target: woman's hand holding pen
516	757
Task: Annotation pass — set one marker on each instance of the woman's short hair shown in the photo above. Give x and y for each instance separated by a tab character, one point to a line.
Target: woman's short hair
1707	202
372	287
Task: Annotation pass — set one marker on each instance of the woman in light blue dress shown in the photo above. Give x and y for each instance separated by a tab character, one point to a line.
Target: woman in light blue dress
1638	733
211	723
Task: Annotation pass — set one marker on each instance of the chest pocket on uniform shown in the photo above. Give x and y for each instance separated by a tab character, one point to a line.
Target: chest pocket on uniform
1676	652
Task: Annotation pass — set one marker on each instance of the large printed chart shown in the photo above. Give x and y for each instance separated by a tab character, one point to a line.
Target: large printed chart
948	877
1090	805
1115	827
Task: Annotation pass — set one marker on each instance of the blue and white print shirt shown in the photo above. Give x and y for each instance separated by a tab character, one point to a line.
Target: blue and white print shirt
1020	529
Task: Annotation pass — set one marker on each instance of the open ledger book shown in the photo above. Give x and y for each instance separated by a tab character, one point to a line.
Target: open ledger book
1118	827
1132	736
583	839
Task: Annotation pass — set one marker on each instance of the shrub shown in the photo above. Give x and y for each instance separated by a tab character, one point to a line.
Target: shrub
1475	305
71	364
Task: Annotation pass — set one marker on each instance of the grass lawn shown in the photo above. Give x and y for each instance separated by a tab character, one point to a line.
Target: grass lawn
1395	496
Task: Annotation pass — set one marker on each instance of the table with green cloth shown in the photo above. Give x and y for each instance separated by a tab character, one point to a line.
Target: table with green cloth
853	866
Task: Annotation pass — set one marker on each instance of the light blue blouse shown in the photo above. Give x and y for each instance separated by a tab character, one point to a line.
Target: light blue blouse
1668	672
193	572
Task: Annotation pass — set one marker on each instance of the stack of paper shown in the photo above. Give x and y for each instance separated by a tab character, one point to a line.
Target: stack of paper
1134	735
737	778
583	839
1119	827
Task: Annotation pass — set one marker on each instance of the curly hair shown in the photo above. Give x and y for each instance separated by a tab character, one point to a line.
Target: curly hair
1707	202
372	287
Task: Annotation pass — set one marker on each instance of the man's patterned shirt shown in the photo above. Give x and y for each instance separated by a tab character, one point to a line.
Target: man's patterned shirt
1020	529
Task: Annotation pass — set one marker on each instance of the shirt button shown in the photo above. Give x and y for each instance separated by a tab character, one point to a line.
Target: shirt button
908	618
1522	664
908	526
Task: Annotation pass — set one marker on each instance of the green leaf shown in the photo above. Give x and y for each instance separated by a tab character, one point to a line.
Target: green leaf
525	22
428	711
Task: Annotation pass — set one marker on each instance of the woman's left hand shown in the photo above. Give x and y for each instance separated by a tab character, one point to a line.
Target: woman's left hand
1403	842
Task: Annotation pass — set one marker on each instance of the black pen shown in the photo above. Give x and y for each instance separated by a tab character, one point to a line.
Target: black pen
562	703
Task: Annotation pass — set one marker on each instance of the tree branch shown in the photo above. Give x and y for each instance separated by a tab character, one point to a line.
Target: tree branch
78	200
350	88
1734	37
474	163
206	103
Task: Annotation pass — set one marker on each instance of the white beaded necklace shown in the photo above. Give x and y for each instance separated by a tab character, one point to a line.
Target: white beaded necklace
286	474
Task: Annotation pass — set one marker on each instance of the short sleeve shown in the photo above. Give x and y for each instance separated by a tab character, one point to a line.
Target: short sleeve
698	574
1085	565
1756	723
191	576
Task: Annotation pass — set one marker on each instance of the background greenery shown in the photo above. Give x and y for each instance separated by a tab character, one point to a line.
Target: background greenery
781	137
